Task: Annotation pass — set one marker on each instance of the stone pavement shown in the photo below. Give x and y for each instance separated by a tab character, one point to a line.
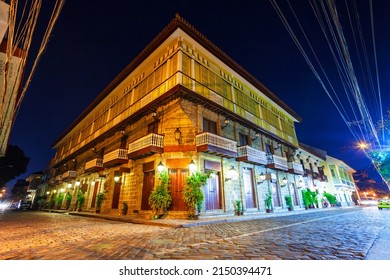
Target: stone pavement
320	234
378	251
180	223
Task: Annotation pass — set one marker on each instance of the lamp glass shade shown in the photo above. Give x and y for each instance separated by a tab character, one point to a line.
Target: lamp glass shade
262	176
232	173
160	167
192	166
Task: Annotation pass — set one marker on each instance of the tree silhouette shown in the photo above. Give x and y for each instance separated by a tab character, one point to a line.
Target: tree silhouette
12	164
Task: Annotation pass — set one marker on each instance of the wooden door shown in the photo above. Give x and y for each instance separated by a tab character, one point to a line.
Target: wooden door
249	188
212	193
95	190
115	196
147	189
177	181
293	194
275	195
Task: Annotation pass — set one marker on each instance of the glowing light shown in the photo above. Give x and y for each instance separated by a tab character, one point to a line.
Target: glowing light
363	145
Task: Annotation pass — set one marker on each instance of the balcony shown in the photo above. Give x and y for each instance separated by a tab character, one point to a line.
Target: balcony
277	162
145	146
295	168
307	173
214	144
69	175
251	155
323	178
94	165
57	178
115	158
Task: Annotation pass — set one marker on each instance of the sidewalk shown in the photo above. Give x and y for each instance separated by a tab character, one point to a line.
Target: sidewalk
380	249
180	223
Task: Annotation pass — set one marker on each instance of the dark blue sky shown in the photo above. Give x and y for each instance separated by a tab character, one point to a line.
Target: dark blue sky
92	43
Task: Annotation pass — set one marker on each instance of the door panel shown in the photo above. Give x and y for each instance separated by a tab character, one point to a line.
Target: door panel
275	195
147	189
249	188
115	196
212	193
177	181
95	190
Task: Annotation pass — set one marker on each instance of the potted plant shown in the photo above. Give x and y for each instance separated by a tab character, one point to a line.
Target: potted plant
238	207
125	208
306	198
60	198
80	200
100	197
160	198
192	194
331	198
268	202
289	202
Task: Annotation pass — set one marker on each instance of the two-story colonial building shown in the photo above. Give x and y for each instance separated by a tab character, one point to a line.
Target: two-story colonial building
182	100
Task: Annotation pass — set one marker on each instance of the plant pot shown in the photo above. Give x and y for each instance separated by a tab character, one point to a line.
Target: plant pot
268	210
97	211
238	213
290	208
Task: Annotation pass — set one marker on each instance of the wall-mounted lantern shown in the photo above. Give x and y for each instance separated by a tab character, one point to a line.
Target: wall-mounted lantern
160	167
177	134
225	123
192	166
257	136
231	174
117	176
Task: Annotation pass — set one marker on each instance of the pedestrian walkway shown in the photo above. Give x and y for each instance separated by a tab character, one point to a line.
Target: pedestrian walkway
203	220
380	250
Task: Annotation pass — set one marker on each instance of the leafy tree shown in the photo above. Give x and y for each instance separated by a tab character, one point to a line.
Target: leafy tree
13	164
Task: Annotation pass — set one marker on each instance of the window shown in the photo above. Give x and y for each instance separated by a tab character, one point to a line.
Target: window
268	148
153	127
243	138
209	126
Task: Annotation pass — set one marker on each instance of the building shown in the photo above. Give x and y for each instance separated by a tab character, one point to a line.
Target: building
315	177
181	100
14	51
341	177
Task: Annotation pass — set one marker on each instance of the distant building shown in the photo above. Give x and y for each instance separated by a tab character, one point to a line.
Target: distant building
34	180
342	179
19	190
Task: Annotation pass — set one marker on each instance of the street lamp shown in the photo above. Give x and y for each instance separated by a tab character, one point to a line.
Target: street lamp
363	145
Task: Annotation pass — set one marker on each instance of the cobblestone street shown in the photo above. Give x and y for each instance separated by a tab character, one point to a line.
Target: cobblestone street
345	234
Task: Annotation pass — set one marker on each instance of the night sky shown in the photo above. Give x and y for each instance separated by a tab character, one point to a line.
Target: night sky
93	41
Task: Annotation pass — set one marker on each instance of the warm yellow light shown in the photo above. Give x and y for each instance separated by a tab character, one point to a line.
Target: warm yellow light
363	145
